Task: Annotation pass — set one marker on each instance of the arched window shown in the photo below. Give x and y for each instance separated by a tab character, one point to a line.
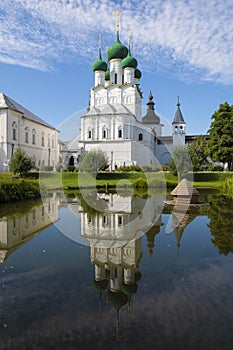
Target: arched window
89	134
14	127
120	133
105	132
33	136
42	139
26	134
140	137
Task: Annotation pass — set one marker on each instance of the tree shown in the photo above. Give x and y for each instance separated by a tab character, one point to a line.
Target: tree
180	163
94	161
220	215
220	144
20	162
197	152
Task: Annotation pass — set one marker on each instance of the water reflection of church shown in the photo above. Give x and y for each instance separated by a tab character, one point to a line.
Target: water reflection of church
18	228
114	237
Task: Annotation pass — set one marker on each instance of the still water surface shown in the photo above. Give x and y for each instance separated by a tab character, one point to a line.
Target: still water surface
116	279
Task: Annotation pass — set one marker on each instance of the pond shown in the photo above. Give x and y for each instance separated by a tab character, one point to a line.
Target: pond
114	271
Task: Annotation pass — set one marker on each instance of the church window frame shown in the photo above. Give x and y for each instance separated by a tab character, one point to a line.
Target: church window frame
120	133
33	136
105	133
89	134
120	220
26	135
115	78
42	139
140	136
14	128
48	140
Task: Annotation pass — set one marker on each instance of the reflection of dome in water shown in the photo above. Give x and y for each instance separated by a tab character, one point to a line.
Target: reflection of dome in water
138	275
100	286
116	299
129	289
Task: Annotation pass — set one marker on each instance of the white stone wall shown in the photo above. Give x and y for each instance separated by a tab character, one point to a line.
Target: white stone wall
46	153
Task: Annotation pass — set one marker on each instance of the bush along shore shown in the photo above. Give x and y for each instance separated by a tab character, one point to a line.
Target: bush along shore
15	188
19	190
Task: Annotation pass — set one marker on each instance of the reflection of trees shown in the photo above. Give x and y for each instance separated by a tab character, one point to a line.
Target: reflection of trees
220	215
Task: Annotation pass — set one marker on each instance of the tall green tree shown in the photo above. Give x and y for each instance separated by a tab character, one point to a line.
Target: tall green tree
93	161
220	215
220	144
20	162
197	152
180	163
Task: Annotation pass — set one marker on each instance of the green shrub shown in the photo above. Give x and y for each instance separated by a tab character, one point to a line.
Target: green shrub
217	168
127	168
48	168
151	168
140	183
19	190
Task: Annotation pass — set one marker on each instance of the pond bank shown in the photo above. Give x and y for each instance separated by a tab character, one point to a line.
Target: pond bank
17	189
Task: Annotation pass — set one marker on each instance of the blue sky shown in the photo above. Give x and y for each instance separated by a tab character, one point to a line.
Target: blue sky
182	47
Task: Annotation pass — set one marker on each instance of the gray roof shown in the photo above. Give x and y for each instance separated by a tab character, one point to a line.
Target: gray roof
178	118
150	117
7	102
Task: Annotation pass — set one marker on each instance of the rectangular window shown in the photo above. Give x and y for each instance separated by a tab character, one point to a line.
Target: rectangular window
89	134
26	137
42	141
33	139
115	78
14	134
120	220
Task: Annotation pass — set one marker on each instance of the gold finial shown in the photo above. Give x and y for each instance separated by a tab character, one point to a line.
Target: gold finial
129	35
99	41
178	104
117	14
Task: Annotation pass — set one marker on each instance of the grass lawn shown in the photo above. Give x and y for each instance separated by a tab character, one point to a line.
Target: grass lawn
74	180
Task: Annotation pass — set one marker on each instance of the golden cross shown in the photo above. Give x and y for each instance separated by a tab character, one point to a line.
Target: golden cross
99	41
117	14
129	34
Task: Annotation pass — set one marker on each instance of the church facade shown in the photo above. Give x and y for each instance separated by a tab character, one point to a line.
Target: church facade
21	128
114	122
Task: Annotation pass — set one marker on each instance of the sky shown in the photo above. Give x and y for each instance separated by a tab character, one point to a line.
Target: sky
183	48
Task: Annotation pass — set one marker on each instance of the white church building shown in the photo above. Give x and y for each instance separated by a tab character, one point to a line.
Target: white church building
114	122
21	128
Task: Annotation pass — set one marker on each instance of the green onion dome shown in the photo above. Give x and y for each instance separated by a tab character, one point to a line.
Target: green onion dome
107	75
137	74
117	50
99	64
129	61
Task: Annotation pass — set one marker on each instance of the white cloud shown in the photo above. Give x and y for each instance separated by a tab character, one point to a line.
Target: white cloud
188	38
